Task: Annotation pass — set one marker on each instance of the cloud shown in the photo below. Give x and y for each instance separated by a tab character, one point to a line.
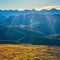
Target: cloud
49	7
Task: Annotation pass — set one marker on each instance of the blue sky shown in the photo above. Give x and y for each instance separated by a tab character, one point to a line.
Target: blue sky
27	4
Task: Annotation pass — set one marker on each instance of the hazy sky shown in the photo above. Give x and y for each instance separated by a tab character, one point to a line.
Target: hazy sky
28	4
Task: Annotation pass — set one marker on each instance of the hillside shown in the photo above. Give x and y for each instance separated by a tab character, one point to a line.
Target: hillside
29	52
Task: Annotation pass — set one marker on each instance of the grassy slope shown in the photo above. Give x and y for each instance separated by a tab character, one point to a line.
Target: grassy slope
29	52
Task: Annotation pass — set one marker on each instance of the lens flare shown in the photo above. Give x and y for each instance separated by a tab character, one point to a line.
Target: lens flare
50	23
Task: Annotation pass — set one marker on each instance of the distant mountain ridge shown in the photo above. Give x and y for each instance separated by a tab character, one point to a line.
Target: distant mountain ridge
24	12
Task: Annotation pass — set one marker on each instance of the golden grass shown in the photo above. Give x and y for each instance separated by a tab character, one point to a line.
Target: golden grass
29	52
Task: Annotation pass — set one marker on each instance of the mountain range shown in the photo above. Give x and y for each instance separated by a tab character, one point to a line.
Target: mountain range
24	12
30	27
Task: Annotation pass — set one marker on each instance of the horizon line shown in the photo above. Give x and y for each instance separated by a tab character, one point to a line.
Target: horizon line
38	9
30	9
